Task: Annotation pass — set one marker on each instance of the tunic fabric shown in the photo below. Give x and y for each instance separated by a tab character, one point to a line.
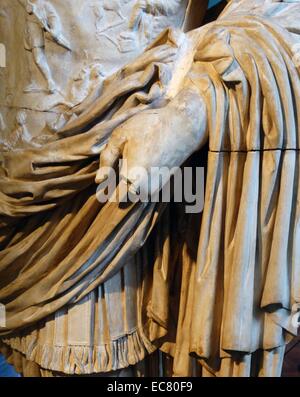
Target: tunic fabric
112	327
103	332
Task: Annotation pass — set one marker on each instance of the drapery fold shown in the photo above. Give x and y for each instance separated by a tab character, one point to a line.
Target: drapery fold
246	269
64	243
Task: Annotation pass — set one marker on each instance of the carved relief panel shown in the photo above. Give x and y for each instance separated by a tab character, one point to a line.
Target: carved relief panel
59	53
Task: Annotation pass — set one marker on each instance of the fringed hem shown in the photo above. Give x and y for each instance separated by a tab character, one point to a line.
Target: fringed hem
85	360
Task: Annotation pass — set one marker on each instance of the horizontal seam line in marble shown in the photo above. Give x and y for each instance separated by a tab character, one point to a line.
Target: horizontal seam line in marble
255	150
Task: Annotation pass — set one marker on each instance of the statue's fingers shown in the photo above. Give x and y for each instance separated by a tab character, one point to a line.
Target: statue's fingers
110	156
134	169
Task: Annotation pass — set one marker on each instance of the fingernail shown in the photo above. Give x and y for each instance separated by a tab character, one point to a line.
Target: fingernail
100	177
134	189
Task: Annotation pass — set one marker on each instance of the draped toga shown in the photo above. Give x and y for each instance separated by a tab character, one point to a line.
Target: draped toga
65	257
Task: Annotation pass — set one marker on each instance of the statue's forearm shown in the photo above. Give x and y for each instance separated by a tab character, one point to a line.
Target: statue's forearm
187	114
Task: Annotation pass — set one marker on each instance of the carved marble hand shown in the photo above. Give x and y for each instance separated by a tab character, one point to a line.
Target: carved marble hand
163	137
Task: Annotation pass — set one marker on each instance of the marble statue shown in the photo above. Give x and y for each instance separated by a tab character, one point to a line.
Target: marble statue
93	287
